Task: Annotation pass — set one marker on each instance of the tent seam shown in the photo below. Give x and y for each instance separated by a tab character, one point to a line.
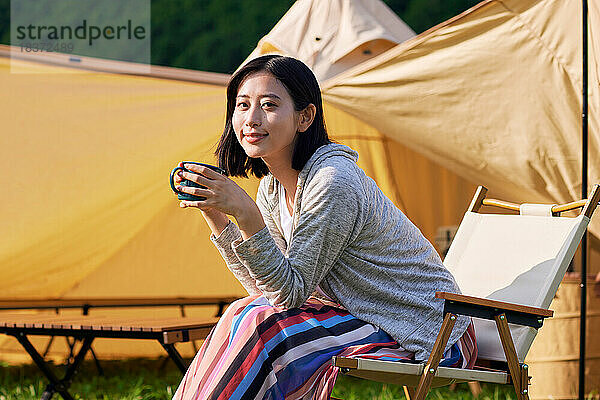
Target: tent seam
400	48
539	39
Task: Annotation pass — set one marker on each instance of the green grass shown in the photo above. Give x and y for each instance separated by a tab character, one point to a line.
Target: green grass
128	380
151	380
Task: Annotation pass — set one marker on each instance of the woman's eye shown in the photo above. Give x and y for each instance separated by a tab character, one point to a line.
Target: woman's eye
241	105
268	104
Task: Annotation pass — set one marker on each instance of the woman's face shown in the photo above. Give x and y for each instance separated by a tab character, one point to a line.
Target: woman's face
264	120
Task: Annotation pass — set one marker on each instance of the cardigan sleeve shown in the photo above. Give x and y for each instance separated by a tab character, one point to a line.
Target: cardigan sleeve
331	216
223	243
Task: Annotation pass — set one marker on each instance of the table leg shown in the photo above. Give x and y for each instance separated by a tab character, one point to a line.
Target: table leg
48	346
98	366
55	385
175	356
72	370
71	347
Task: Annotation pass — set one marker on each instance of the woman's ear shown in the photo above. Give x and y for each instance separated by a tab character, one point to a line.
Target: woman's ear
306	117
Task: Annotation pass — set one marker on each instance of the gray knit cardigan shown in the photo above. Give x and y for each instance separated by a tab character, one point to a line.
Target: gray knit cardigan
354	243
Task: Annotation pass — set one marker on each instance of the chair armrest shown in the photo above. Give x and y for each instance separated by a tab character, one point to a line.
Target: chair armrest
500	305
487	309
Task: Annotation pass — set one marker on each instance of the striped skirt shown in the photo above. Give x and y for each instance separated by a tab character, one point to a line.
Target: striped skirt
258	351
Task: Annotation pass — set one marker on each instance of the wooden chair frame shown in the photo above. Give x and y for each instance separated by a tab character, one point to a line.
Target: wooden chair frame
501	312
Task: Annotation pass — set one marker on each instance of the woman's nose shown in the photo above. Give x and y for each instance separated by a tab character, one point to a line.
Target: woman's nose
254	117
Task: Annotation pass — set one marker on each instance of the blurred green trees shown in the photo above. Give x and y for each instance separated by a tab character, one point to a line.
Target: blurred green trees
210	35
217	35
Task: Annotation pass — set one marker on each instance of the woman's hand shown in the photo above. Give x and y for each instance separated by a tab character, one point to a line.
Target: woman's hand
221	193
222	196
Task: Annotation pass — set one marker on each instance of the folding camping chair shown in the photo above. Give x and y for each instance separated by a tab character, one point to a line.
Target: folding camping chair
513	264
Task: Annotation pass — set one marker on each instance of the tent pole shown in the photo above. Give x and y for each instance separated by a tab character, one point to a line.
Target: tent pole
584	184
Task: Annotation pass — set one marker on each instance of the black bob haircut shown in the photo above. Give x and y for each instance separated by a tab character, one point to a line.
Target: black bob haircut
303	88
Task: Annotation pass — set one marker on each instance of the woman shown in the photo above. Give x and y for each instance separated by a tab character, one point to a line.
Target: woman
332	267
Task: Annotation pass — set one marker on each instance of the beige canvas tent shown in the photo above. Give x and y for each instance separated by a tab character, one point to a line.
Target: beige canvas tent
332	36
93	214
99	219
493	94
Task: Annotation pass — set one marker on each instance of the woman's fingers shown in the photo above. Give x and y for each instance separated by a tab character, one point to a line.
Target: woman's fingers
188	203
200	174
196	204
197	178
221	193
177	178
194	191
202	170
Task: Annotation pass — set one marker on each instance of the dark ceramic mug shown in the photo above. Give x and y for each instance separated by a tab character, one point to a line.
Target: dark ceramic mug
185	182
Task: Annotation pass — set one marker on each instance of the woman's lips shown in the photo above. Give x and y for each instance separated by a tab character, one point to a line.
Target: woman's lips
254	138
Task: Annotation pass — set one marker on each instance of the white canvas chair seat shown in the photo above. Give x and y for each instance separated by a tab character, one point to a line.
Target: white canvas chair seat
409	374
508	268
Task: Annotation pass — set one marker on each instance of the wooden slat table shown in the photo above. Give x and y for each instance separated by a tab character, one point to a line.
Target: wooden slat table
85	304
167	331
